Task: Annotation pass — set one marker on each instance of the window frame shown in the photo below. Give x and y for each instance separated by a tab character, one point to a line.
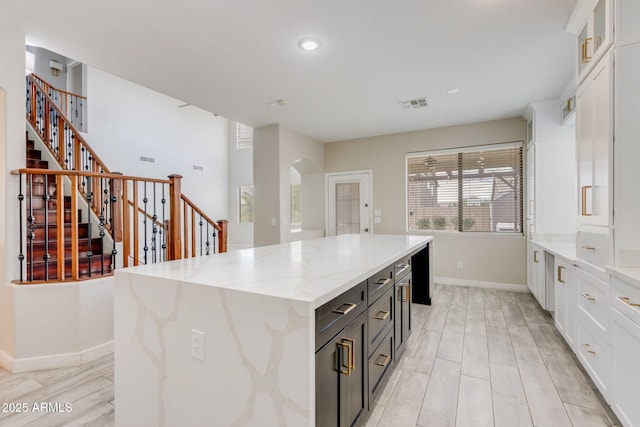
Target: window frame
239	195
463	150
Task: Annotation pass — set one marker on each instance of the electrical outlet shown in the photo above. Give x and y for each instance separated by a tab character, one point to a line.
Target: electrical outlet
197	344
460	265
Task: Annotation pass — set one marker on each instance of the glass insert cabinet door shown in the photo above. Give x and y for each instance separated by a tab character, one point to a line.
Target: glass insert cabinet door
348	204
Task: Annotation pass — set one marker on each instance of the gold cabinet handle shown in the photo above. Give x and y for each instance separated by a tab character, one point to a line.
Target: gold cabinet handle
585	50
584	200
350	346
340	310
382	282
589	248
589	297
627	301
382	315
560	270
588	348
404	292
535	256
387	359
402	266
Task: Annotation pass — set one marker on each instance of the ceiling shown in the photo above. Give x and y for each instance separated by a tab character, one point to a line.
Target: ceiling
235	57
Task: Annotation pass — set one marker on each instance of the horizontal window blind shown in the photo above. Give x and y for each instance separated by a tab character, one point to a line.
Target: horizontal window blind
475	189
244	136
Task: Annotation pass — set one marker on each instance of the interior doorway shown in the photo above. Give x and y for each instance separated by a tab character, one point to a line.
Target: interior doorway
348	202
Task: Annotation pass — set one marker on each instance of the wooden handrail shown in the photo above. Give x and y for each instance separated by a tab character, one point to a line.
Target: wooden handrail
109	175
199	211
76	135
55	88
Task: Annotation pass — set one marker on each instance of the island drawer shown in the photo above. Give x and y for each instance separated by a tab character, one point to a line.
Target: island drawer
380	319
333	316
380	364
380	282
593	299
402	267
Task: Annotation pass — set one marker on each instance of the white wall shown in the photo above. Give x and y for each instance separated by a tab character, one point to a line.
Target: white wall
240	174
12	149
41	66
266	182
129	121
486	257
307	156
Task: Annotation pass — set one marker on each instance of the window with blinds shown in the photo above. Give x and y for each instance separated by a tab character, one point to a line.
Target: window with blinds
471	189
244	136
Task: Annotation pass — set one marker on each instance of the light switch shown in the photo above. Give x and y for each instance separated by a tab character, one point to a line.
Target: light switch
273	221
197	344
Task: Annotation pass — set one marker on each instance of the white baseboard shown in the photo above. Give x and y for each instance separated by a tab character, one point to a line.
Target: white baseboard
511	287
54	360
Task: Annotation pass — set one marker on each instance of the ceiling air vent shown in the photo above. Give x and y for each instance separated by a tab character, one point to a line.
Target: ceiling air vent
414	103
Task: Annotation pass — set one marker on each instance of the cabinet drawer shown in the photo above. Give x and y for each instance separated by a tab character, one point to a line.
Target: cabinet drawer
333	316
593	248
626	299
381	317
403	267
380	282
593	299
380	364
594	353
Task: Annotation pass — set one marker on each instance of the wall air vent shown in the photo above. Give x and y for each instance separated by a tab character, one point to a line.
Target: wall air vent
147	159
414	103
198	167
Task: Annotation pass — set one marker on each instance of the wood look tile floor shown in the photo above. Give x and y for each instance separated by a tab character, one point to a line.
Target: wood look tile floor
476	357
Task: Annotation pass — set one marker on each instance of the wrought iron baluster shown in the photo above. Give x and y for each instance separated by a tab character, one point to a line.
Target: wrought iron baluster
81	115
208	251
89	236
201	239
31	227
114	251
47	256
154	228
214	234
145	248
101	226
20	255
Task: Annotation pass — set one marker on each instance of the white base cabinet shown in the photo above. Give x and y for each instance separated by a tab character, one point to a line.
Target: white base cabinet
565	300
625	366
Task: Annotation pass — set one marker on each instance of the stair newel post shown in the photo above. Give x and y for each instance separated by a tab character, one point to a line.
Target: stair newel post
60	225
175	193
222	235
75	270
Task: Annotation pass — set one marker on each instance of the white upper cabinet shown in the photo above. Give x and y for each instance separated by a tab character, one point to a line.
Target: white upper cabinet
594	144
627	28
592	21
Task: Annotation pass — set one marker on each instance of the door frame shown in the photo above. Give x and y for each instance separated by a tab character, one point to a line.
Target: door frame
367	174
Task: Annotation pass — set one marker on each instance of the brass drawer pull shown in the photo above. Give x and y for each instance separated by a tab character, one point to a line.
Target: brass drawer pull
382	315
585	50
382	282
589	248
627	301
584	200
560	270
589	297
350	306
404	292
350	346
386	361
402	266
588	348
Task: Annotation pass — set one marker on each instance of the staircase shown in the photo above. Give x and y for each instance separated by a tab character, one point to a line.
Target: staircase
92	260
79	220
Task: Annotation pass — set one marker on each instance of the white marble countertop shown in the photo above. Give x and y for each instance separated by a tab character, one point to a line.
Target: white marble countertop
312	271
561	249
628	275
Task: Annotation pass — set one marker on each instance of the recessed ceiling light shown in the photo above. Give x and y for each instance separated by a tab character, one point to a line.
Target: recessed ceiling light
309	44
453	90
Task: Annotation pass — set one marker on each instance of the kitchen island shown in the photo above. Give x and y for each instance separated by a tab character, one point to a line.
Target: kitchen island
231	339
